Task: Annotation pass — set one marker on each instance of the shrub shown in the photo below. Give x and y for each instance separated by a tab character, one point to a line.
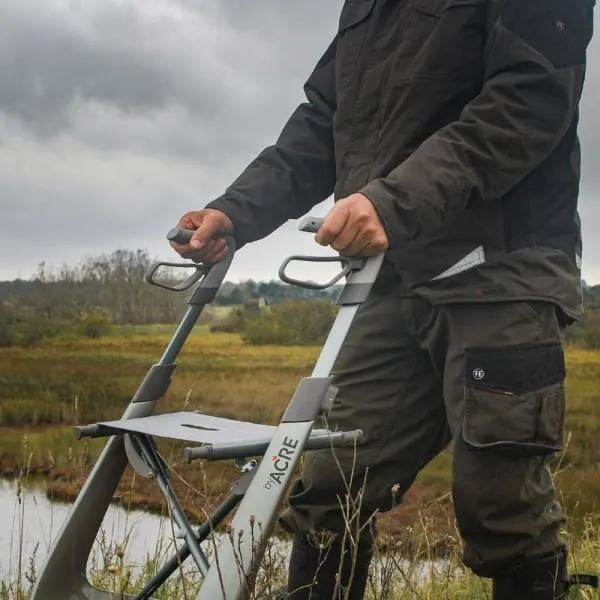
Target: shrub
292	322
233	323
7	333
24	327
94	323
591	338
589	329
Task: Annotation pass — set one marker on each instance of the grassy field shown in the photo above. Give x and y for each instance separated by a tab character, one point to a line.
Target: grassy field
45	390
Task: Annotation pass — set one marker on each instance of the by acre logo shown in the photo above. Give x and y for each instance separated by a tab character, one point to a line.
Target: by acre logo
281	462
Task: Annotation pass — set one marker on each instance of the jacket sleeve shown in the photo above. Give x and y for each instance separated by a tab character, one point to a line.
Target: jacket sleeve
534	59
288	178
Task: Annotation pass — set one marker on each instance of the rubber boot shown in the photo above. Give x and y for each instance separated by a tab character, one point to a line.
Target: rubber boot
545	579
313	572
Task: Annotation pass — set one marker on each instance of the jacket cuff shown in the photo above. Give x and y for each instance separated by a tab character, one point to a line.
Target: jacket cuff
383	200
242	230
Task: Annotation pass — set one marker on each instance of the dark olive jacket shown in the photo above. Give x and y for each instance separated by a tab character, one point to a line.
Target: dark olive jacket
458	120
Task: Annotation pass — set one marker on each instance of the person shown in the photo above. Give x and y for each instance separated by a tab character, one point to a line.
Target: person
446	131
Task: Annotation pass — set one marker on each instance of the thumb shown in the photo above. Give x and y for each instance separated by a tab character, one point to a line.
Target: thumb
207	225
333	223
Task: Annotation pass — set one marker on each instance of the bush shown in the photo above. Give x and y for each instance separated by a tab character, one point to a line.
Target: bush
94	323
292	322
23	327
591	337
234	322
7	333
32	331
586	332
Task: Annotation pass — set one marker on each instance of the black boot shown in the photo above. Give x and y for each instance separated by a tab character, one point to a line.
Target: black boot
313	571
544	579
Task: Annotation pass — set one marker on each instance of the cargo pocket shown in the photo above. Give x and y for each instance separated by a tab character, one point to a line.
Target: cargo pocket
350	39
515	399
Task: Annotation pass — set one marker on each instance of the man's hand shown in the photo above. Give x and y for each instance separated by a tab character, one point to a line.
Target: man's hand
203	247
353	228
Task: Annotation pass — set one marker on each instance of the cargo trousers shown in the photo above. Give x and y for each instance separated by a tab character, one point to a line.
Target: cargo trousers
415	376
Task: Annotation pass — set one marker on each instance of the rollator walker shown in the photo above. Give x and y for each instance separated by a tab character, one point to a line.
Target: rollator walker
272	452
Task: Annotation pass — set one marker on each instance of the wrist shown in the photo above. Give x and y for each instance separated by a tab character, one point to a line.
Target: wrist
223	219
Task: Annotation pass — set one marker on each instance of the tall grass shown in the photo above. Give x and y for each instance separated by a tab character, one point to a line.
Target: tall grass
45	390
397	572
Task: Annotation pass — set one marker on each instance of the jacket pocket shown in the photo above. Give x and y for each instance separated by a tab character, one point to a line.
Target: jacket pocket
435	26
351	36
515	399
422	18
419	27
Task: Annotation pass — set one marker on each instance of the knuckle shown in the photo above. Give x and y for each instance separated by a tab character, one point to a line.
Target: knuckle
328	231
370	230
362	217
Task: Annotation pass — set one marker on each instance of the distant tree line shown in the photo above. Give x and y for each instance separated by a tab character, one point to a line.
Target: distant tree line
111	289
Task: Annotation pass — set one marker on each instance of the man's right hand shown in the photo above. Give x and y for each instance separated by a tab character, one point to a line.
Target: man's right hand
205	246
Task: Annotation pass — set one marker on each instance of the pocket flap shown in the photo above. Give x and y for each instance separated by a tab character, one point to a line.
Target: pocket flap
517	369
355	12
433	8
459	3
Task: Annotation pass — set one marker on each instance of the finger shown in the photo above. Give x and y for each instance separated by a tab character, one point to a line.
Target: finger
346	238
181	248
192	219
369	240
197	256
361	241
217	249
219	257
209	247
332	225
189	221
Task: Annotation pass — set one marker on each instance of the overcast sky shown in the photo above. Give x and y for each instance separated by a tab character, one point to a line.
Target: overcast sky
117	116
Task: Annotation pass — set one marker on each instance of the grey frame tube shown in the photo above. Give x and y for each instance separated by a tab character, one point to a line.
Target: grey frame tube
63	575
232	572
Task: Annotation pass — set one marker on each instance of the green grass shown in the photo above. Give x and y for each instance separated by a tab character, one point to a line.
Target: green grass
45	390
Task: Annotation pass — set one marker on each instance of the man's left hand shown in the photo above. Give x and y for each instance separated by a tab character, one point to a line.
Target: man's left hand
353	228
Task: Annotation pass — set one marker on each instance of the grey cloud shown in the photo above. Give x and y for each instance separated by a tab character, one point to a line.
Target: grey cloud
142	56
118	116
66	208
103	52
